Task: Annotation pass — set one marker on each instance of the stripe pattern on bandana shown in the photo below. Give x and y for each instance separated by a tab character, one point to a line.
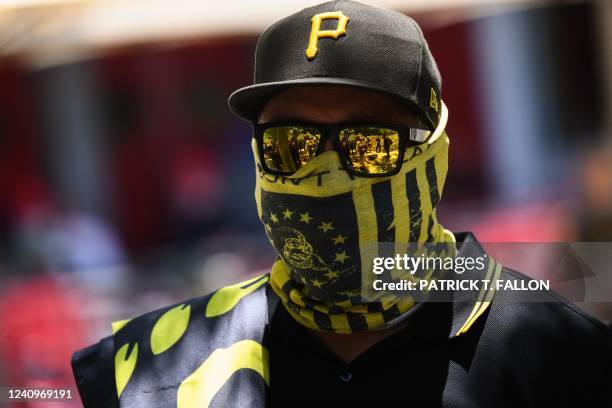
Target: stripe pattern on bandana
323	224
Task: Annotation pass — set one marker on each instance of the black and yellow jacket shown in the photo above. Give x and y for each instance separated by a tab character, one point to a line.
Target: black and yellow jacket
183	355
213	351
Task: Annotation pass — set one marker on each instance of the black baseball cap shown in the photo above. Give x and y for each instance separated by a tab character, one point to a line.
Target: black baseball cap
349	44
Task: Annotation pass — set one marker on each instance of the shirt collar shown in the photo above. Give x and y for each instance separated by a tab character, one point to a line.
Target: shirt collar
468	305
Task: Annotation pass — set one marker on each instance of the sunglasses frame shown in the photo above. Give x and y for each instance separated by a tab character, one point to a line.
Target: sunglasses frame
406	134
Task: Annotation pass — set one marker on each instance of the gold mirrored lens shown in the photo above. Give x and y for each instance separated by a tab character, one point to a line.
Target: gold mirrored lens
287	148
370	150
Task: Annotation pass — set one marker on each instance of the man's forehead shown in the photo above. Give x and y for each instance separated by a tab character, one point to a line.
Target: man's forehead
329	104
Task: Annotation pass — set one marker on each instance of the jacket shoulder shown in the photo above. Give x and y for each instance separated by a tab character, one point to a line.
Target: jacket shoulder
230	313
543	329
551	308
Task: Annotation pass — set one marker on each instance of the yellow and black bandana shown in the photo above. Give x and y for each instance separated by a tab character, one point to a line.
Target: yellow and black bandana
323	223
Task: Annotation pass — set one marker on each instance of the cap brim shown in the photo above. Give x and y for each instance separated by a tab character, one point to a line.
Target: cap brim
247	102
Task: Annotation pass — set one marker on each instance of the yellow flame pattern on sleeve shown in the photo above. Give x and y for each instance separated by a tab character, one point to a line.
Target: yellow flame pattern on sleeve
200	387
124	366
169	328
118	325
225	299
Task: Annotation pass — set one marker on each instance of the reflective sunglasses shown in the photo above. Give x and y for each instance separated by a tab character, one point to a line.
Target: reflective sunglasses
366	149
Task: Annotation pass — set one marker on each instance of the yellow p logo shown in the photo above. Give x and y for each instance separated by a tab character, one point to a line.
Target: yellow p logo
316	32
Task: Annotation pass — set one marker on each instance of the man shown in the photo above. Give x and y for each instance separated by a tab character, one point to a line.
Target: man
311	333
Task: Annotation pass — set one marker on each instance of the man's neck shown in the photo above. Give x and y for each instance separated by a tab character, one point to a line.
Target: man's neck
350	346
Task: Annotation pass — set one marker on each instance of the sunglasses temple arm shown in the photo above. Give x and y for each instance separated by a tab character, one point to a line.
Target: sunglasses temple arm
441	125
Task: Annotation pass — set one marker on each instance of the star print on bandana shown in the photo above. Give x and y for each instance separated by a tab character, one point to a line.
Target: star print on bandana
299	234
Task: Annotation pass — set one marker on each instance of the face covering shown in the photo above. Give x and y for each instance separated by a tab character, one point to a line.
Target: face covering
327	226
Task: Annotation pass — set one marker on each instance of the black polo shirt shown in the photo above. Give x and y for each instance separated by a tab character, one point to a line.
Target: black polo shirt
305	373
